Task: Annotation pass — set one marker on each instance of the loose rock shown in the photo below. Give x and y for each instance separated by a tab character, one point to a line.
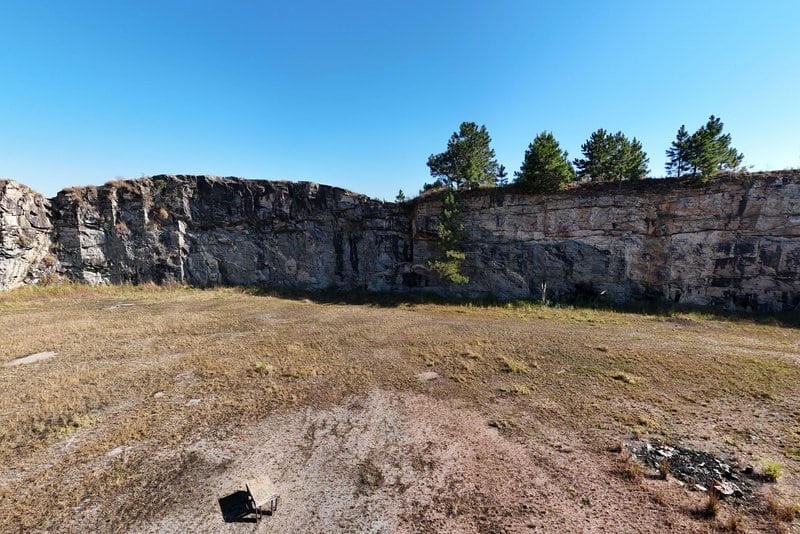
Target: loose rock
428	375
115	452
700	470
33	358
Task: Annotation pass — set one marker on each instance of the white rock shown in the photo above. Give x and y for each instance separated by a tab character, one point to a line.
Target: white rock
428	375
115	452
33	358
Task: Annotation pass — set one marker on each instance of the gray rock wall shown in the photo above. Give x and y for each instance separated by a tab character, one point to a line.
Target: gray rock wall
734	242
24	235
208	231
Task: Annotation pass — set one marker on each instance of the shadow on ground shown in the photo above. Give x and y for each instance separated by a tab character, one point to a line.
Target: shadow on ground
236	508
395	300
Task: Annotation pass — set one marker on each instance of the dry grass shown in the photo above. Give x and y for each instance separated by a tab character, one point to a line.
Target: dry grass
510	365
711	507
663	469
735	524
632	468
624	377
516	389
243	357
782	511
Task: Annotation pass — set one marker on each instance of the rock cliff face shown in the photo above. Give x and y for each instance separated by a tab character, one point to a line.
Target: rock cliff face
24	235
206	231
734	242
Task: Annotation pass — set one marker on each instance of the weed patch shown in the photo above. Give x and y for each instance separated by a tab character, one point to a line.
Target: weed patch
782	511
516	389
510	365
624	377
711	507
771	471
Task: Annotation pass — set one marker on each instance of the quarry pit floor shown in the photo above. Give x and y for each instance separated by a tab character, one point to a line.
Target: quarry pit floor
383	416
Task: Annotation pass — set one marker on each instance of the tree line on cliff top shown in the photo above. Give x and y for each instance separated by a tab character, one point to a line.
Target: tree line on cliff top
469	161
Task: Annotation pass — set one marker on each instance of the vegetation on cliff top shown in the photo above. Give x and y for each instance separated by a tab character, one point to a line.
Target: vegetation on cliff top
469	161
704	153
545	168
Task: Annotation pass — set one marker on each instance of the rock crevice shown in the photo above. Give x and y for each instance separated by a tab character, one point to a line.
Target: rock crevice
734	242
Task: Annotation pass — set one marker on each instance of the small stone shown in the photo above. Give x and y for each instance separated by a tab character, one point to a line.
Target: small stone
698	487
115	452
120	305
32	358
193	402
726	488
428	375
158	394
748	470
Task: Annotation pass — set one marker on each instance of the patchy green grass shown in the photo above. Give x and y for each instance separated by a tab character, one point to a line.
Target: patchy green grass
772	470
624	377
516	389
510	365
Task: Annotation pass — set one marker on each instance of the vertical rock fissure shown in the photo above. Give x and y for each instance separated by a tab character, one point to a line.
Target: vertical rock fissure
733	242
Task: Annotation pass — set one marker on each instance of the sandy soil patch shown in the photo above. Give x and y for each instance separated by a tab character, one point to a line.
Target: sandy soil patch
409	463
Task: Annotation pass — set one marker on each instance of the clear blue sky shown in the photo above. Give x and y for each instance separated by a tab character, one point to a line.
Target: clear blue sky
359	93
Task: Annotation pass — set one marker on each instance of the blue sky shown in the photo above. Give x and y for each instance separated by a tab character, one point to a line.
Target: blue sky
359	93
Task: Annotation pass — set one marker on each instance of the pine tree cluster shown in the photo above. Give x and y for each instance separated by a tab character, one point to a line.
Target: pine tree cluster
704	153
611	158
469	162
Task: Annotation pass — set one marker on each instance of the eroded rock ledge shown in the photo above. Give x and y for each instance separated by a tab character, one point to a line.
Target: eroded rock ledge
734	242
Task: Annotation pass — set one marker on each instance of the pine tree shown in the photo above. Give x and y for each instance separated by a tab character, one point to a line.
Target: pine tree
709	151
611	158
634	161
451	232
469	161
502	176
545	167
679	153
596	162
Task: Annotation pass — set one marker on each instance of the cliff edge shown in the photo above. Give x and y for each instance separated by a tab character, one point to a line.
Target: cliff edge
734	242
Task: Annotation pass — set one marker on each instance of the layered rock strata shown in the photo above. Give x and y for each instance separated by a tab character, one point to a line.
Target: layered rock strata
205	231
734	242
25	230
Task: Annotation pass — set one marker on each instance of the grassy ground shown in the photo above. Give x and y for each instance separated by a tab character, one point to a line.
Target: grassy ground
104	435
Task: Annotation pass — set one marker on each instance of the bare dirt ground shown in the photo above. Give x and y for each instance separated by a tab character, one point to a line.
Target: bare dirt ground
162	401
